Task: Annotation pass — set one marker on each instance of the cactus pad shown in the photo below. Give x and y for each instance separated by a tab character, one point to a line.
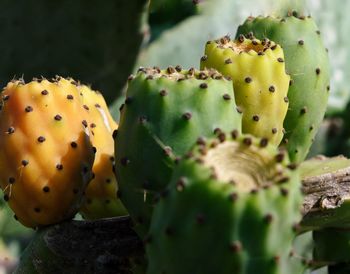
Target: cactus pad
234	202
164	114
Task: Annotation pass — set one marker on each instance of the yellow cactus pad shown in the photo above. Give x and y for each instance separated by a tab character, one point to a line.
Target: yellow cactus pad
101	194
46	155
259	79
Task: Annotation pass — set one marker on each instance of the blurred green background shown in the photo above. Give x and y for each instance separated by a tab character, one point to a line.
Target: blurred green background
102	42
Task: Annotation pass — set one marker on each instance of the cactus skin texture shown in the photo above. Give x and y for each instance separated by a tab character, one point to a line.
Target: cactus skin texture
259	80
308	65
101	194
234	202
164	113
45	151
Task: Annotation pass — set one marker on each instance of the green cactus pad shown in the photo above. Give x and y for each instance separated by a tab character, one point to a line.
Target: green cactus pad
308	65
164	114
259	79
231	207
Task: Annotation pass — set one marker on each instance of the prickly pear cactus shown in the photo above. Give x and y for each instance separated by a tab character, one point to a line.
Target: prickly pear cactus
259	79
308	65
164	114
234	201
101	194
45	151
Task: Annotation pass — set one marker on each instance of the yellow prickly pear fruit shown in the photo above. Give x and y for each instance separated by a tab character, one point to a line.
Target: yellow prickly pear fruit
259	79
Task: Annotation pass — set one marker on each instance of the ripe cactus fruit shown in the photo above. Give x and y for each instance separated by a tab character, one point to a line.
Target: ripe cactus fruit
240	197
259	80
45	151
101	194
308	65
164	113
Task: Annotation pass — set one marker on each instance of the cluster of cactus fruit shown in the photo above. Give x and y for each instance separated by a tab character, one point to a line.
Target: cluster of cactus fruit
206	160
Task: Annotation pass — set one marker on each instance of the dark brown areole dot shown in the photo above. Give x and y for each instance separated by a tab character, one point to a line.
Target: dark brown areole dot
24	162
256	118
234	134
268	218
301	42
37	209
274	130
204	58
6	97
286	100
318	71
170	70
163	92
228	61
201	141
86	107
247	141
6	197
11	180
233	197
28	109
70	97
187	116
85	124
291	82
272	89
73	144
10	130
284	191
41	139
222	137
92	125
273	47
44	92
203	85
59	166
236	246
241	38
178	68
303	110
264	142
58	117
279	157
115	133
248	80
239	110
226	96
280	59
98	106
46	189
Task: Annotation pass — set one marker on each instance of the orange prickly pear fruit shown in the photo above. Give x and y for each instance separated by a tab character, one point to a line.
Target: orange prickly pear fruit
101	193
46	155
